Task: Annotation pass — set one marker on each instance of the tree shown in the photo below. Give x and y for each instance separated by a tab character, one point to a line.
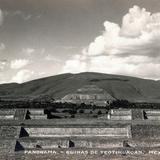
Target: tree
81	111
120	104
72	116
99	112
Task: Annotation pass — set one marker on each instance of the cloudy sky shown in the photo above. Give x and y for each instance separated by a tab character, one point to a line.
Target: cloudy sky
40	38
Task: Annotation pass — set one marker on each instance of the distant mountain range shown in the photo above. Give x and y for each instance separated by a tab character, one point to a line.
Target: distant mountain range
121	87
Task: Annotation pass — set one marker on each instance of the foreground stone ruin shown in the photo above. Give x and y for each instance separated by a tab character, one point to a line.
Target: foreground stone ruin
78	132
120	114
152	114
36	114
24	130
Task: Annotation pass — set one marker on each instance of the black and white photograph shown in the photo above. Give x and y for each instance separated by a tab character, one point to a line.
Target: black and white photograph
79	79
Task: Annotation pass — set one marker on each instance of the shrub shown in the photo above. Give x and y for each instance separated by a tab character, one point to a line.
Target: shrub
72	116
99	112
81	111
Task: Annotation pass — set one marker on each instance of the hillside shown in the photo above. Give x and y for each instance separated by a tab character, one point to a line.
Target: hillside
120	87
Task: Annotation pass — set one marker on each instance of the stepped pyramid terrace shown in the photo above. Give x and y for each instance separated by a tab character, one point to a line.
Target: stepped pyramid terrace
90	95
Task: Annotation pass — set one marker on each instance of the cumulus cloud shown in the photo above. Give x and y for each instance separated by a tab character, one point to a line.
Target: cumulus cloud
2	64
28	51
1	17
22	76
24	15
50	57
19	63
2	46
132	48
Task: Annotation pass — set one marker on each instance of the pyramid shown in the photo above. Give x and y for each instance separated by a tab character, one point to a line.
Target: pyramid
90	95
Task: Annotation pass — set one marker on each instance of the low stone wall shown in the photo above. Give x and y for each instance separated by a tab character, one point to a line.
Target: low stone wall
67	143
45	143
9	131
115	117
7	111
120	114
98	143
7	117
144	143
38	116
91	132
7	146
121	111
153	112
6	114
153	117
36	111
147	131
